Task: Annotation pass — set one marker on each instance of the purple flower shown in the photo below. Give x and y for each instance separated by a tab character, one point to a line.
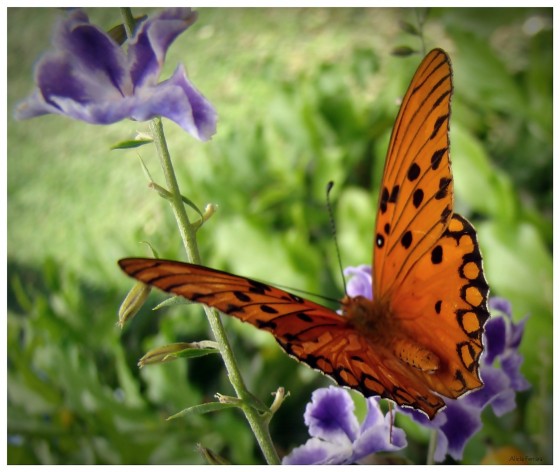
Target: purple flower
461	418
337	437
88	77
361	281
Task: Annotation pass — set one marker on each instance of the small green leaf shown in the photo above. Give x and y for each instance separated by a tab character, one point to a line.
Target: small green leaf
202	409
210	456
190	353
192	205
403	51
131	143
173	351
168	196
154	252
172	301
409	28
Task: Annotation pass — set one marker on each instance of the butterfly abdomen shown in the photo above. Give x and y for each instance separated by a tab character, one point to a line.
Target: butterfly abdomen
415	355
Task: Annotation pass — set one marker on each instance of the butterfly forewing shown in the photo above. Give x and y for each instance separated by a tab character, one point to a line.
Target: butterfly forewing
284	314
311	333
416	196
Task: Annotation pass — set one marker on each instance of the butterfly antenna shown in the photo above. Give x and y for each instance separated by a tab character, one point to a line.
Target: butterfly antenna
330	185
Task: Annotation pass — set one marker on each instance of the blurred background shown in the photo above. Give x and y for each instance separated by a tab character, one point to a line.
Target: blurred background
304	96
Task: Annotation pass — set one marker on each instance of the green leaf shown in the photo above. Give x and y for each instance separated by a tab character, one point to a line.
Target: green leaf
131	143
172	301
210	456
190	353
154	252
403	51
202	409
409	28
171	352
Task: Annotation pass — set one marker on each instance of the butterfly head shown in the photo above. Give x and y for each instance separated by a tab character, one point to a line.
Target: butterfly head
368	316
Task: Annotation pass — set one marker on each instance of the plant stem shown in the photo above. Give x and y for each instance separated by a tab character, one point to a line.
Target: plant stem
257	422
188	234
128	21
432	448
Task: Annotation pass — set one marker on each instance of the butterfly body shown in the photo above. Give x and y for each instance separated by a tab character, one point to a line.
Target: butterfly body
420	337
376	321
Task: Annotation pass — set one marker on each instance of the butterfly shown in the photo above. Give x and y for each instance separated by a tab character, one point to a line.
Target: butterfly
420	338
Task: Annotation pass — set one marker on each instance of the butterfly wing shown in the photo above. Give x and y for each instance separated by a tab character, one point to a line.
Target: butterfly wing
427	275
427	265
416	197
311	333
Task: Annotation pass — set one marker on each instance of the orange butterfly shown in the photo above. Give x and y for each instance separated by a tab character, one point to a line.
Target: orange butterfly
422	334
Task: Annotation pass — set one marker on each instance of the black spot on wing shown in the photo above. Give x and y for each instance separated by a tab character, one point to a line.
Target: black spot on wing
437	157
304	317
443	188
266	324
258	287
413	172
437	255
268	309
437	125
384	200
417	197
394	194
241	296
406	239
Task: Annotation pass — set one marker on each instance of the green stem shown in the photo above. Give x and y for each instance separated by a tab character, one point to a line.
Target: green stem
128	21
257	421
432	447
188	234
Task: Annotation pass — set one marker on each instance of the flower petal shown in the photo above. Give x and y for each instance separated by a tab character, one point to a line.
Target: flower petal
315	451
149	45
495	333
91	51
511	366
330	416
377	434
462	423
360	283
178	100
59	81
495	382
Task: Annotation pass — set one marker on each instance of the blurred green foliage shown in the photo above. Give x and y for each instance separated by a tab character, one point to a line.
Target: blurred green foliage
304	96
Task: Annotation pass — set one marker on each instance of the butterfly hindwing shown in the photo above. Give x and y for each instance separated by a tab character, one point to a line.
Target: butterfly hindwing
447	312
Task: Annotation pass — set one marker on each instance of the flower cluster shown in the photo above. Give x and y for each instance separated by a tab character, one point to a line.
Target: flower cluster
455	425
461	418
337	437
88	76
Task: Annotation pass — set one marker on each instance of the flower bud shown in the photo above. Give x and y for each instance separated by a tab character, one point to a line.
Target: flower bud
133	302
